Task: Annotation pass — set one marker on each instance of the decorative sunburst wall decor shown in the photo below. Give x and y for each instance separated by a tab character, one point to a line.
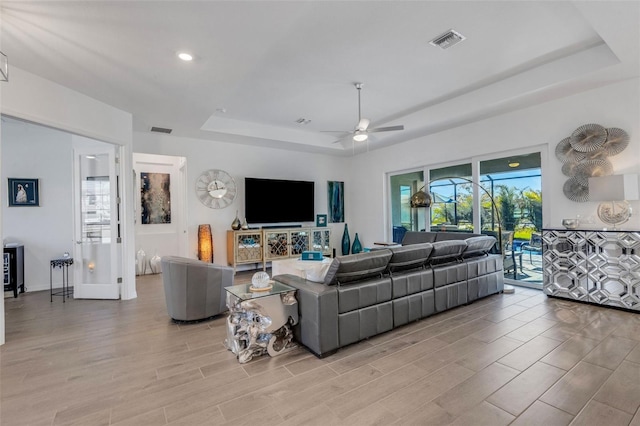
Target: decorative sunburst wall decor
586	154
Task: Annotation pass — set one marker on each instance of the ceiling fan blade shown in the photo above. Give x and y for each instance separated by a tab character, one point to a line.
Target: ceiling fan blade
335	131
363	124
386	129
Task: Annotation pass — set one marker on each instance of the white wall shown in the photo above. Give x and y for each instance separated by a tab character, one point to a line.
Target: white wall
31	151
33	98
543	126
242	161
615	105
30	97
36	99
167	239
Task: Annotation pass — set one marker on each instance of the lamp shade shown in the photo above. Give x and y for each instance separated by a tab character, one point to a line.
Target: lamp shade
614	188
205	243
420	199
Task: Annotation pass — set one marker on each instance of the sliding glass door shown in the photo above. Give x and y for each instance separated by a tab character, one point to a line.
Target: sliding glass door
515	183
500	197
403	217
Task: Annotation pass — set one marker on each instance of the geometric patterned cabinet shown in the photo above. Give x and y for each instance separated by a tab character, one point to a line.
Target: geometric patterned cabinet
244	247
601	267
264	245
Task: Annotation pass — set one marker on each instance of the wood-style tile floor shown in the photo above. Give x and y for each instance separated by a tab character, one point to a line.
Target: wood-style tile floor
520	359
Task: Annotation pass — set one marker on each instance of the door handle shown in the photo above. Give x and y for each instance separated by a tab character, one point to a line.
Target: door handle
78	242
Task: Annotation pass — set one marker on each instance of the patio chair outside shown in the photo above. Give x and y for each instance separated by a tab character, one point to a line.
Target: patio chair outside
535	244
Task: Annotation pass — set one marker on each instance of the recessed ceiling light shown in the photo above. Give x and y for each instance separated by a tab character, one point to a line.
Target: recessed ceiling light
90	157
185	56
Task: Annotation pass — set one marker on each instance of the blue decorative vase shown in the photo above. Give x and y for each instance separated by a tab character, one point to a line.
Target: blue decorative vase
346	241
357	247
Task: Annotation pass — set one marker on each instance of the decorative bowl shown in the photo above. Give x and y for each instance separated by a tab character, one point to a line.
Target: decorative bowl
570	223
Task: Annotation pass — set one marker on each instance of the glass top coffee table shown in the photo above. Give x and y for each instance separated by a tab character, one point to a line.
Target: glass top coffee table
244	291
260	322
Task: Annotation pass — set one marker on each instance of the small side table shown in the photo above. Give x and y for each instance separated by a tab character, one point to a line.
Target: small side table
62	263
260	322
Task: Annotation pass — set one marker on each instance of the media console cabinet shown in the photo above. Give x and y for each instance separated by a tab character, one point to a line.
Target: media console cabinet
268	244
600	267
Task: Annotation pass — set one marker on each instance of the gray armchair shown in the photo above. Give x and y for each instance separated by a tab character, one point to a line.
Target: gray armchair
194	290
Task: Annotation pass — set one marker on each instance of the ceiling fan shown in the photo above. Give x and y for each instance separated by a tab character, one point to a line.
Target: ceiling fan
362	130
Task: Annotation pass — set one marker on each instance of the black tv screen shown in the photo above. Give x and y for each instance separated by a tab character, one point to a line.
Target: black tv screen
278	201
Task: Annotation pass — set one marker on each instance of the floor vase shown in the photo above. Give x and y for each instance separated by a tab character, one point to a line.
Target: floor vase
141	262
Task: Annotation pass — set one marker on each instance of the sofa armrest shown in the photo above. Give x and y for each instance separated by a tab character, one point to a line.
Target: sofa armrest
317	328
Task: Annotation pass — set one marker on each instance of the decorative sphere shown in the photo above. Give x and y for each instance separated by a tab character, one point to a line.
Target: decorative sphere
570	223
260	280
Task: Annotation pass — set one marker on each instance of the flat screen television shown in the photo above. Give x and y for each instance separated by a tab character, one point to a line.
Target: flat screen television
278	201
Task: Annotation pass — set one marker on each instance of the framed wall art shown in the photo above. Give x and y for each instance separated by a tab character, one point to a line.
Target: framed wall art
335	201
155	198
23	192
321	220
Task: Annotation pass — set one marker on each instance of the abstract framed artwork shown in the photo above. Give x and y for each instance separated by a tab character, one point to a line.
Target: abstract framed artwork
155	196
335	201
24	192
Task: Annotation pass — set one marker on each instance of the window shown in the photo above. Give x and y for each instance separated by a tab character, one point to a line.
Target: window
451	198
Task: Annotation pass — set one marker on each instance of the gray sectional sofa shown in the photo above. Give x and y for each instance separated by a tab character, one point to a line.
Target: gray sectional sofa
370	293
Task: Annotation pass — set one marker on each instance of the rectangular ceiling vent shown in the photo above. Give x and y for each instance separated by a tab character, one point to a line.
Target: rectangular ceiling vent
161	130
448	39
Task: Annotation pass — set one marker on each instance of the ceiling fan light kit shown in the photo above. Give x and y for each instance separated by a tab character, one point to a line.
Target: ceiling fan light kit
361	131
360	136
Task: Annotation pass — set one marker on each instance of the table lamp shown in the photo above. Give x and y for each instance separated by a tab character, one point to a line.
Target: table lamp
615	191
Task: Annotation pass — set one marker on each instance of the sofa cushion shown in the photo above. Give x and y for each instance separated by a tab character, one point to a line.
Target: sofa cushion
409	257
478	246
357	267
418	237
448	236
446	251
330	278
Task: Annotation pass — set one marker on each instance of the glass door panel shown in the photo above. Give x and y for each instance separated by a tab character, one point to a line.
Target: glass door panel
95	253
515	183
299	242
403	217
451	198
321	241
276	245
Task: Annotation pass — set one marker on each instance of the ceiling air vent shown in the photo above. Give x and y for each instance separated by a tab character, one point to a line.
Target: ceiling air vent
161	130
448	39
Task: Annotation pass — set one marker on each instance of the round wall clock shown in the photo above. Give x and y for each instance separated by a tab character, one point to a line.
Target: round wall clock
216	189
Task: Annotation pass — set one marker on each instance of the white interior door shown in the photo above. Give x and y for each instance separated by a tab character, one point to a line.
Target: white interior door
97	224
